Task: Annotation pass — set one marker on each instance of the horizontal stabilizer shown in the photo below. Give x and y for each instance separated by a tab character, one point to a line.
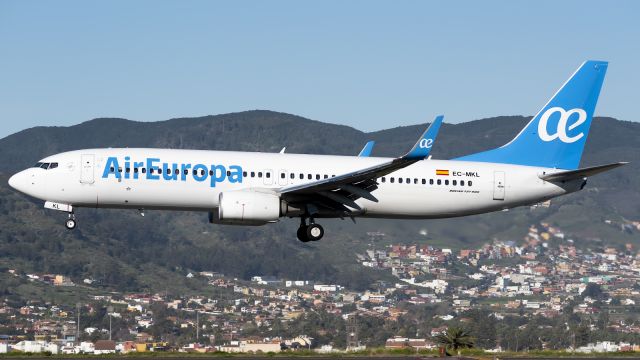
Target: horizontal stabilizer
580	173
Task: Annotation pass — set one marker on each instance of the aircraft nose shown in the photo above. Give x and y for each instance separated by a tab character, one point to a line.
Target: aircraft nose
17	181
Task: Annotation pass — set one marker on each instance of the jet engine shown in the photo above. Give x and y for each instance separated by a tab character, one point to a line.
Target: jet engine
247	208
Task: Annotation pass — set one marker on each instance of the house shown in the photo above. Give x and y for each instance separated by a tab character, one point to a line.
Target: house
104	347
404	343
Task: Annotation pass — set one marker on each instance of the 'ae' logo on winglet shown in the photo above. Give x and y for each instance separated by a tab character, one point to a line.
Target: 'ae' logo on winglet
563	127
425	143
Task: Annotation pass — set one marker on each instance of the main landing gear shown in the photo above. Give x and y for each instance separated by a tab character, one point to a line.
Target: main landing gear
70	224
311	232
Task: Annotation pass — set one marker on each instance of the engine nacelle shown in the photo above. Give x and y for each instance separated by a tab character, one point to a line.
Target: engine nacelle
248	207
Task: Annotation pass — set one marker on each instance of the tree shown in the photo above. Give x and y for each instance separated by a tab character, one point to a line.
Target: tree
455	339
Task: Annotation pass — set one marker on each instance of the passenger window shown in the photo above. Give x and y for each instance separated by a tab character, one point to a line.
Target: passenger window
309	176
333	176
268	174
112	169
259	174
454	182
383	179
469	183
244	174
392	180
202	172
430	181
292	176
160	171
210	172
317	176
461	182
119	169
151	171
399	180
301	176
439	182
415	180
186	171
135	170
446	182
424	181
282	175
253	174
128	170
228	173
326	176
53	166
144	171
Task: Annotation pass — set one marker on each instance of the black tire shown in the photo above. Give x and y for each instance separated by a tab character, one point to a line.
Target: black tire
302	234
70	224
315	232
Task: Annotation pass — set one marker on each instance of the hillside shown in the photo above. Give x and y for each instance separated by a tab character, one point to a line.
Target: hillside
124	251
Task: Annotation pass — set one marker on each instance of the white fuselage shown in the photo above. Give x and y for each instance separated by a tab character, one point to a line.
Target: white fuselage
88	178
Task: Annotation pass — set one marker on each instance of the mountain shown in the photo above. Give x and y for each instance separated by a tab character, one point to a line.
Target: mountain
124	251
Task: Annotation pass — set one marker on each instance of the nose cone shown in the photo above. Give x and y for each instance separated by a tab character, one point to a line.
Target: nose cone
13	181
18	182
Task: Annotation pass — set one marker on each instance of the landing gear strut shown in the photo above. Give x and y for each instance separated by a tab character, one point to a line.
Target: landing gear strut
311	232
70	224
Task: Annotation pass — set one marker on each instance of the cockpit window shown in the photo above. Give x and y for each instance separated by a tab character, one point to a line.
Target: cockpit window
46	166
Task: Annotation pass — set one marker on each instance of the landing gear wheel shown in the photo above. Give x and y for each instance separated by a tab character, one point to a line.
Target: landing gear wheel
302	233
70	224
314	232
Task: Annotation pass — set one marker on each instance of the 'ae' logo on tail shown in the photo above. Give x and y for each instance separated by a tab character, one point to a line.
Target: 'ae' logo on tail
563	126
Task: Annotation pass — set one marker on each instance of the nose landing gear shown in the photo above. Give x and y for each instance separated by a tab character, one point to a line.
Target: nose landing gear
70	224
311	232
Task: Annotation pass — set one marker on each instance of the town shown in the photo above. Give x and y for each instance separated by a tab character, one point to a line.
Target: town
521	290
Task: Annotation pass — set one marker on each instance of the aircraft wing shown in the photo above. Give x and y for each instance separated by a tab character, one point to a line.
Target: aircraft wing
579	173
336	192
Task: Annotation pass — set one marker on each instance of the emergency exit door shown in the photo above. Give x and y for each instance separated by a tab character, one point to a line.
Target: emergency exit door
86	168
498	185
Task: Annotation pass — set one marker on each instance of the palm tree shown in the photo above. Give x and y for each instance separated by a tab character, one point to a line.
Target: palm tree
455	339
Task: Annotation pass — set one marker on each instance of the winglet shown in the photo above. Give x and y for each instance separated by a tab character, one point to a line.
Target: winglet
366	150
422	148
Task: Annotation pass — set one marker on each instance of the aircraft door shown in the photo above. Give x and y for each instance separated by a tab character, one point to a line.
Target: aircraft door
268	177
498	185
282	177
87	168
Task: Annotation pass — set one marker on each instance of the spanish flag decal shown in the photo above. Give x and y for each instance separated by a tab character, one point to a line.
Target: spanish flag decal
442	172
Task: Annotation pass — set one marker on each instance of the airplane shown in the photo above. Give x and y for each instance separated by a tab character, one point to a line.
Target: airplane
253	188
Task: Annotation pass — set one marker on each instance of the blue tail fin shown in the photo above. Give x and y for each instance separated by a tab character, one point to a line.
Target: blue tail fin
555	137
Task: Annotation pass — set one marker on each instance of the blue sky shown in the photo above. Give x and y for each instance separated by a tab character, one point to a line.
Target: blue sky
368	64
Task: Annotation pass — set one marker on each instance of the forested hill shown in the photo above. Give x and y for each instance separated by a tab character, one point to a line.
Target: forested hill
124	251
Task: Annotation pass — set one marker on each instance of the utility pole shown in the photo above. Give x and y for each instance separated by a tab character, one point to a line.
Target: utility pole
109	311
78	323
197	327
352	333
